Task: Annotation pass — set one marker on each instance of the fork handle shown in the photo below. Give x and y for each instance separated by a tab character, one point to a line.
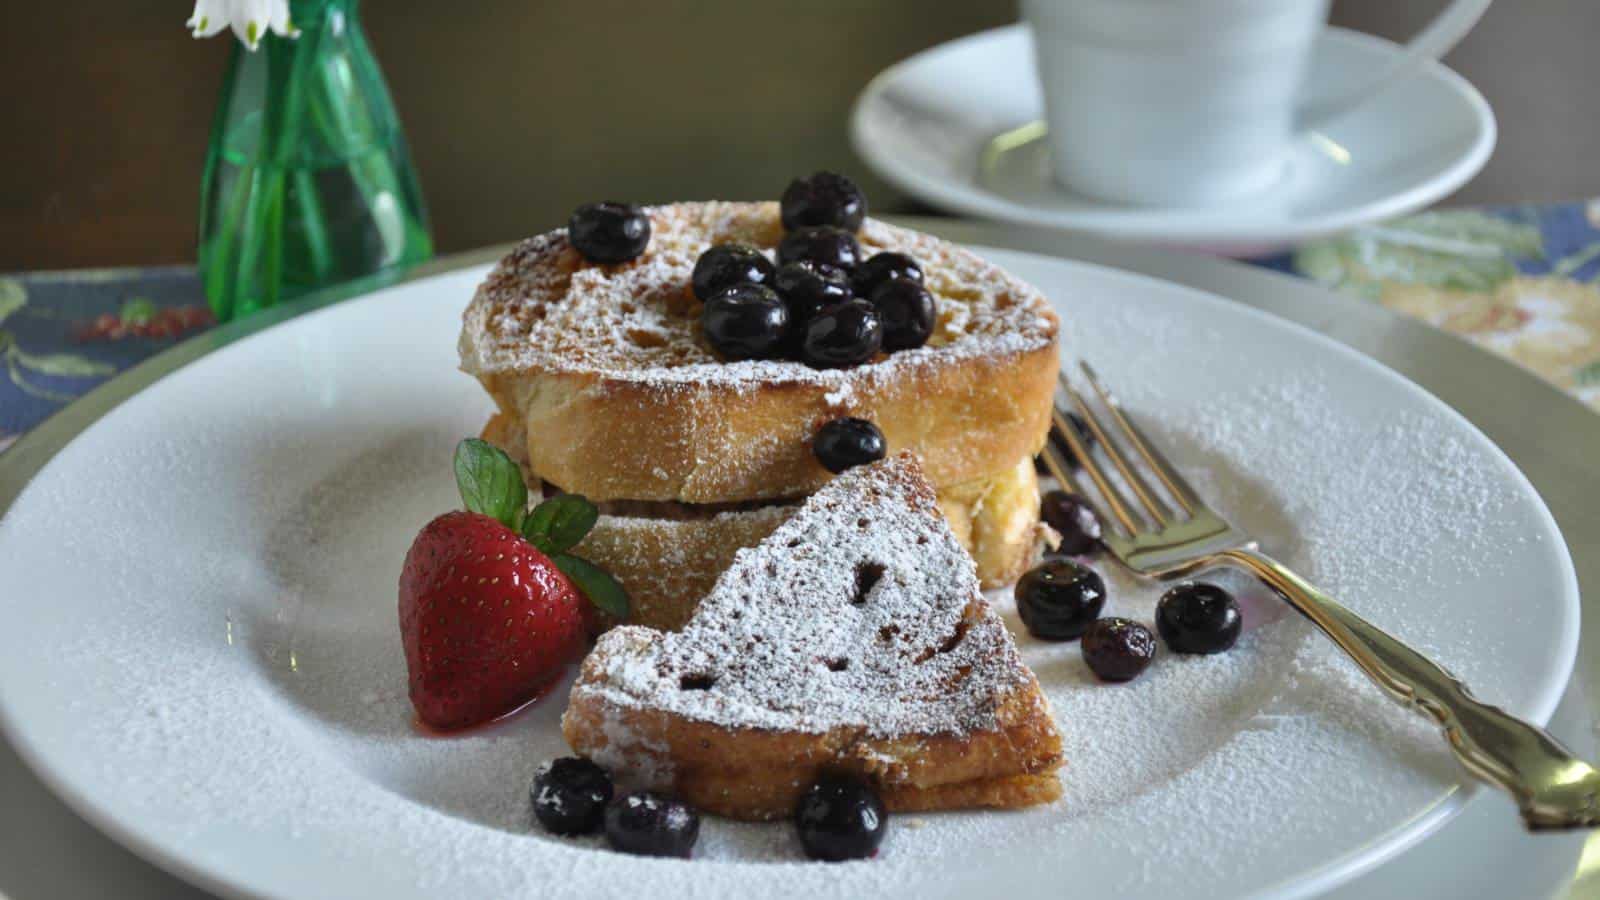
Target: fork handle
1552	788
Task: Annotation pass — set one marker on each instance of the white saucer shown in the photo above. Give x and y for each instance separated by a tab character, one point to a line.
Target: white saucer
927	125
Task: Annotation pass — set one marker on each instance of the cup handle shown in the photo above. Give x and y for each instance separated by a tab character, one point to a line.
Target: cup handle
1432	42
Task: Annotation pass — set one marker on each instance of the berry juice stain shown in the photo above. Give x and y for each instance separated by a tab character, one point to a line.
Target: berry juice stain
498	723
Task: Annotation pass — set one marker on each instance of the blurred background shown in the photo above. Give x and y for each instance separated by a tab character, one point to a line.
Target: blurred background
517	111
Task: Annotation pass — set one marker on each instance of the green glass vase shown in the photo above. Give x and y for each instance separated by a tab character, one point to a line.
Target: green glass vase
308	181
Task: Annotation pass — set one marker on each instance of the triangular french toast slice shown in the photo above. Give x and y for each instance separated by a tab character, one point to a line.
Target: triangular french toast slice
853	638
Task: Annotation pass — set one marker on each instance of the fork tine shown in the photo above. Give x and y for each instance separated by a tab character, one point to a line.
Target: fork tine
1164	470
1092	468
1157	511
1057	466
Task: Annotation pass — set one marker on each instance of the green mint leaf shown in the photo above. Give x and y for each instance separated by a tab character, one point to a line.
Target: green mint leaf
559	523
490	482
604	591
137	311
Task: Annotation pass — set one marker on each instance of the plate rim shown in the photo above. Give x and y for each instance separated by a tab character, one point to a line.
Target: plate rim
1374	852
1137	223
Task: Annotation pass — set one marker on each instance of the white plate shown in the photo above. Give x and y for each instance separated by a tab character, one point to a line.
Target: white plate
924	125
200	651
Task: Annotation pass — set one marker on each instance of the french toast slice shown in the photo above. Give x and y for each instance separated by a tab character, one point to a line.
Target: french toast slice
669	555
605	370
853	638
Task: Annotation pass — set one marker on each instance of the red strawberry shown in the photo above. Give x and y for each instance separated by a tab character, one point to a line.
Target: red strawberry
488	621
492	606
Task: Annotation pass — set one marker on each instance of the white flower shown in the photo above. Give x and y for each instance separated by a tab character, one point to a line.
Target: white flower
250	19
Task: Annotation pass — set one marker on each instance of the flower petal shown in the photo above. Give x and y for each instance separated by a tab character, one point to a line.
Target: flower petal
278	19
250	19
210	18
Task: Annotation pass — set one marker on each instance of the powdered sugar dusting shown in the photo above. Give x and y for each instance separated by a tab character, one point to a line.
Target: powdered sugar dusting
543	309
851	614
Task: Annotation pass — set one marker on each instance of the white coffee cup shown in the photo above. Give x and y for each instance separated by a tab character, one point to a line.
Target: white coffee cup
1189	103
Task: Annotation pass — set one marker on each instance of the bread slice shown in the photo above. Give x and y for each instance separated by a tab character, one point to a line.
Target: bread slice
853	638
669	555
605	370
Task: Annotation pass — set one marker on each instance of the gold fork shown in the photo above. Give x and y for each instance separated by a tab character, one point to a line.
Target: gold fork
1552	788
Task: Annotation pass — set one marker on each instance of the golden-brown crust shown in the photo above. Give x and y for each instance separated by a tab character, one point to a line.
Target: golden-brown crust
612	439
758	774
609	418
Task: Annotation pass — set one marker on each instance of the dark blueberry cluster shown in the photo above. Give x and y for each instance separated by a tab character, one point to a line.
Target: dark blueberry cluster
1061	600
572	795
842	308
838	817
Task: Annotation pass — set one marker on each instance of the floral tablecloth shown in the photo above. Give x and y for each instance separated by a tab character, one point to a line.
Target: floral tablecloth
1523	282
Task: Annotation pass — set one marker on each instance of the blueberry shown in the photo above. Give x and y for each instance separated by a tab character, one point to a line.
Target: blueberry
1085	436
570	796
809	287
1074	519
840	817
651	824
726	265
1194	617
882	267
844	335
1118	649
825	198
847	443
907	311
1059	598
746	321
824	244
609	232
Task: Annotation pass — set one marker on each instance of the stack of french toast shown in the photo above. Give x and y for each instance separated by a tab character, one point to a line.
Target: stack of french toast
796	608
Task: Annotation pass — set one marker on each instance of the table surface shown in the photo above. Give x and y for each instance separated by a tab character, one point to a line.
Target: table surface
46	851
